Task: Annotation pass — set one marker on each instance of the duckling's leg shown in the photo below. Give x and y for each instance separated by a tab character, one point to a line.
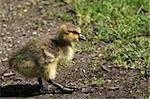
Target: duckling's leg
42	89
63	88
40	83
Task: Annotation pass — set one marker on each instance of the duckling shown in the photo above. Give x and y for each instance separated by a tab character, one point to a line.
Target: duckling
40	57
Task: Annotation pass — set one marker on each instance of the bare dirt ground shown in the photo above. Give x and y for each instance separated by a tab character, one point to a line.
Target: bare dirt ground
21	20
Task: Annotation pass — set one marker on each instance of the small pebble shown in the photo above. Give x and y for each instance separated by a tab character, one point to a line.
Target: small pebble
8	33
4	25
8	74
4	59
25	10
4	38
83	71
34	33
8	49
113	88
2	34
18	41
10	45
49	30
1	52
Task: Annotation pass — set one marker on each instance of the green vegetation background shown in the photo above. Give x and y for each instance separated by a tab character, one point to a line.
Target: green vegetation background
123	25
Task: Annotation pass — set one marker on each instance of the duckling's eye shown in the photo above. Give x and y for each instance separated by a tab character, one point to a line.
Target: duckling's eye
74	32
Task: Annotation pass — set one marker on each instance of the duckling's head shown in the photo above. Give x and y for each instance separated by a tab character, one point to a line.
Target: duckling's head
71	34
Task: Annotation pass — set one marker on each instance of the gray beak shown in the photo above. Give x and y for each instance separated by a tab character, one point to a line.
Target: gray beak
82	38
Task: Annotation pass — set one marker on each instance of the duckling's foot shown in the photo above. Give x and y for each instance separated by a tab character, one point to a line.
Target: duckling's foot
41	88
62	88
43	91
68	89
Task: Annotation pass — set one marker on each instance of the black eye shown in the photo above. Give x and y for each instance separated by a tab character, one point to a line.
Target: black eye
75	32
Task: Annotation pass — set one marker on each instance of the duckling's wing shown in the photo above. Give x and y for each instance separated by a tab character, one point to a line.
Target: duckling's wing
49	56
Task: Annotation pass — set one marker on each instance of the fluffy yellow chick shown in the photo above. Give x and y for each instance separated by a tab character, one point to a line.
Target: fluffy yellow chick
40	57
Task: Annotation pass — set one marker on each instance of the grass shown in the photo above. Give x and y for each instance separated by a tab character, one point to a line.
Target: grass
98	82
123	25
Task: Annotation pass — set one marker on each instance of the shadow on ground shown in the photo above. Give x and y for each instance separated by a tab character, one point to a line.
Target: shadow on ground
19	91
24	91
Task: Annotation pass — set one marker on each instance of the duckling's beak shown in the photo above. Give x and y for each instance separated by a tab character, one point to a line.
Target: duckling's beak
82	38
